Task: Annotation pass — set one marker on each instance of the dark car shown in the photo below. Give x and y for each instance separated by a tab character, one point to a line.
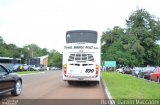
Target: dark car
9	82
15	67
26	67
18	67
145	73
127	70
136	71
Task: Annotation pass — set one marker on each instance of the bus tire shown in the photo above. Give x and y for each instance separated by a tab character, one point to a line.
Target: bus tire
97	82
70	82
94	83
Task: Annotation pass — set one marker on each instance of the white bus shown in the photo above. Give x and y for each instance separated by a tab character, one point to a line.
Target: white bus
9	62
81	56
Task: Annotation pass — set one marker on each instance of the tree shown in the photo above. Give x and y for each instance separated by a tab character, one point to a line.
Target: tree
146	28
55	59
134	45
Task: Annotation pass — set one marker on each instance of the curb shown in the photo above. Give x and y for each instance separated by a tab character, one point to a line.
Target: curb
107	93
31	74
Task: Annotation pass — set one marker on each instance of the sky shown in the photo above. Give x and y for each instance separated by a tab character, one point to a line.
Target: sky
44	22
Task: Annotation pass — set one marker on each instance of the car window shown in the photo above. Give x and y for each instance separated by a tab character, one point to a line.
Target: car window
148	68
2	71
158	70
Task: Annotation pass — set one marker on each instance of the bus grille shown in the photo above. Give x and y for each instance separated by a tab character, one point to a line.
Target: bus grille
81	57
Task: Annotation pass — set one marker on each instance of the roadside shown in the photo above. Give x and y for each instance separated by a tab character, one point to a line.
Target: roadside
29	72
126	87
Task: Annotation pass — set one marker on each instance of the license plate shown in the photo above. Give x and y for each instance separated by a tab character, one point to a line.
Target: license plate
80	78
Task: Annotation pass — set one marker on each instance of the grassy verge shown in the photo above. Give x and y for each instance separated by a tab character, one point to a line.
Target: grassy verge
127	87
26	72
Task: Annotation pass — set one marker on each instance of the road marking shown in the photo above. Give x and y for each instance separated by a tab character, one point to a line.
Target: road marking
107	93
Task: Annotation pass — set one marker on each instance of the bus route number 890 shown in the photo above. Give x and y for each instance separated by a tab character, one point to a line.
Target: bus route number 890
89	70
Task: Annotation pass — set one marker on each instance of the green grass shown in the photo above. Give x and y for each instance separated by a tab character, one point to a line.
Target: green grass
127	87
26	72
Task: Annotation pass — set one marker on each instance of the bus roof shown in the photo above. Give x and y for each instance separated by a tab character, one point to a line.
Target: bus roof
9	58
70	31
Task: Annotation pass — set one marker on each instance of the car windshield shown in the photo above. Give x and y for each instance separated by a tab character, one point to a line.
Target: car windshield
137	68
157	69
149	68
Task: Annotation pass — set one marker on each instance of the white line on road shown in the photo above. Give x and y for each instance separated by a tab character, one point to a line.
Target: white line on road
107	93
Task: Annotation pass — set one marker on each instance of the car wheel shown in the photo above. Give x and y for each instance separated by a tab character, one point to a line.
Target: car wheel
150	78
17	89
158	80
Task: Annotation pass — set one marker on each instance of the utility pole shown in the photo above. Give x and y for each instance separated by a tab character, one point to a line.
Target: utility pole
21	56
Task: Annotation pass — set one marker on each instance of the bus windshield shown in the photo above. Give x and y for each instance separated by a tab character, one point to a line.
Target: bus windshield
86	37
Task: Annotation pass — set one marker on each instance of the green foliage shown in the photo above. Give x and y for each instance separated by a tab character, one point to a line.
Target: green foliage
55	59
134	45
31	50
9	50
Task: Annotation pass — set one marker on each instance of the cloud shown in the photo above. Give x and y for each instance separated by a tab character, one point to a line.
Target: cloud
44	22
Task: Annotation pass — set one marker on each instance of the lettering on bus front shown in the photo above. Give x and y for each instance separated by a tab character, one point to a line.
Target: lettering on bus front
80	47
67	47
89	47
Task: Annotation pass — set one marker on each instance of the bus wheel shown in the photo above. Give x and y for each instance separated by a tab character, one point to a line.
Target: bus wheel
97	83
70	82
94	83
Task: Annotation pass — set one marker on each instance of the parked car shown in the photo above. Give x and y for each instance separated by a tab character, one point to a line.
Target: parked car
9	82
54	68
148	73
136	71
18	67
120	70
37	68
155	75
127	70
145	73
15	67
25	67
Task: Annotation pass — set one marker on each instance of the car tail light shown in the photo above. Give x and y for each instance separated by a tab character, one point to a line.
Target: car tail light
65	68
97	69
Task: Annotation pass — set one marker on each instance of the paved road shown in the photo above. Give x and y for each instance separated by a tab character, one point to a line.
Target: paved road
49	85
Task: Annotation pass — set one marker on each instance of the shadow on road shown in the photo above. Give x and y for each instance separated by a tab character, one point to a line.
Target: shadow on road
4	96
82	84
